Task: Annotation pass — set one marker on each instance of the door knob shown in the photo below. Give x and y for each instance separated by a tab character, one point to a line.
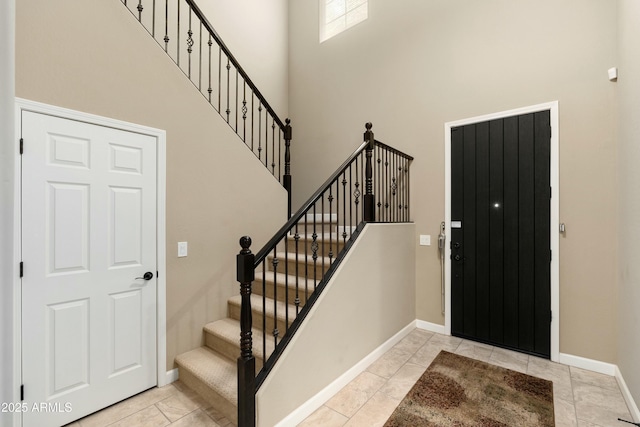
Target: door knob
147	276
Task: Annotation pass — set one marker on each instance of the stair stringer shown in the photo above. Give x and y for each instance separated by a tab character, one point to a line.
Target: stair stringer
370	297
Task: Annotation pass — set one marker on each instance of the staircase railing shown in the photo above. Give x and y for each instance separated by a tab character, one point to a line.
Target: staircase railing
185	34
303	255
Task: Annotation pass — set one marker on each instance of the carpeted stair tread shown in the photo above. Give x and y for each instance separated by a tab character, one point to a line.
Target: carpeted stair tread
228	329
214	370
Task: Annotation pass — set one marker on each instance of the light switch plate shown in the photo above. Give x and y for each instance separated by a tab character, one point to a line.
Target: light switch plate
425	240
182	249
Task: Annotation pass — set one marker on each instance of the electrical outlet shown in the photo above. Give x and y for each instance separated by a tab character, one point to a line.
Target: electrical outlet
182	249
425	240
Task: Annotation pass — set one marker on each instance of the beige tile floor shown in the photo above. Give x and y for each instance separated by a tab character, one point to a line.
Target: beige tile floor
581	398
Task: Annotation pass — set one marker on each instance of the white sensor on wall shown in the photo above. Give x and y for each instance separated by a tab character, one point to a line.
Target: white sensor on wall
613	74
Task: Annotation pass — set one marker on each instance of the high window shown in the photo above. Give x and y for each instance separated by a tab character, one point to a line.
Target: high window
338	15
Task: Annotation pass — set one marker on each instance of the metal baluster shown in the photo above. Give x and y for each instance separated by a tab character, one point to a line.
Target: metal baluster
228	111
246	362
331	226
260	131
178	37
387	185
276	332
323	235
219	77
140	8
244	111
266	137
209	90
273	146
379	182
344	207
153	19
296	237
166	26
356	193
252	115
189	44
264	308
306	259
236	99
200	59
350	201
314	250
286	278
280	155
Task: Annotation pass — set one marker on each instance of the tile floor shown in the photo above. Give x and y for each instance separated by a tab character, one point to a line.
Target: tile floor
581	398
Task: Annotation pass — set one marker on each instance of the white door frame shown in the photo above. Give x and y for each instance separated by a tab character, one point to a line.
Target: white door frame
555	211
161	314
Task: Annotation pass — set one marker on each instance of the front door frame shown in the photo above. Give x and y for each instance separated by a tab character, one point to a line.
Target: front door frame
555	211
161	313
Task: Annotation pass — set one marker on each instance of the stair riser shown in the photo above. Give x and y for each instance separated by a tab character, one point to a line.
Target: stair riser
280	290
228	349
289	267
234	313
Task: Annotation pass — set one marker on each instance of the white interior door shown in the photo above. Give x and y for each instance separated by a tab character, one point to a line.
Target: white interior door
88	235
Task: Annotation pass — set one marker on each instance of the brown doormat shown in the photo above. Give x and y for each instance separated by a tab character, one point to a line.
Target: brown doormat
459	391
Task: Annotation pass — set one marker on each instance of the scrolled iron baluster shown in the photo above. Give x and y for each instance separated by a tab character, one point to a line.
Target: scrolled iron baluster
140	9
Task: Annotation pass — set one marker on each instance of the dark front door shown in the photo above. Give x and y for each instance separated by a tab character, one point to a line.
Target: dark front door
500	232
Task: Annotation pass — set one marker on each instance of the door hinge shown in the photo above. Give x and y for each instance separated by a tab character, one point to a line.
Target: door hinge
550	255
21	268
21	392
551	316
550	192
157	275
550	131
21	145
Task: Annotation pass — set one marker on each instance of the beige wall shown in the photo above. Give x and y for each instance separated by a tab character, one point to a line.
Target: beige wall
93	56
334	336
629	176
415	64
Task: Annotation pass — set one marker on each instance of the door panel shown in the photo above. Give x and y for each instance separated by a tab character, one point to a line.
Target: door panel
500	206
89	230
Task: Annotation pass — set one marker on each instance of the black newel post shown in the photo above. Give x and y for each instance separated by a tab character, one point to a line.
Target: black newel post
286	182
369	197
246	361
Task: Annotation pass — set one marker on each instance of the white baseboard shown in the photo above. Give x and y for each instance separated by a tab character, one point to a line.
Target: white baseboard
310	406
172	376
431	327
628	398
589	364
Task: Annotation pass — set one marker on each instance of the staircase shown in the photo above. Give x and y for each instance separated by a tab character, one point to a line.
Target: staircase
282	281
211	369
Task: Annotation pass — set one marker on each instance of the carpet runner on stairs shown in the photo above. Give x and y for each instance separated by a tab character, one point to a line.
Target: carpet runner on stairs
211	370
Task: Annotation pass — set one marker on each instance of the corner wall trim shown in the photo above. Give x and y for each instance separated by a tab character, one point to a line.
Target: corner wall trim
307	408
589	364
628	398
431	327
